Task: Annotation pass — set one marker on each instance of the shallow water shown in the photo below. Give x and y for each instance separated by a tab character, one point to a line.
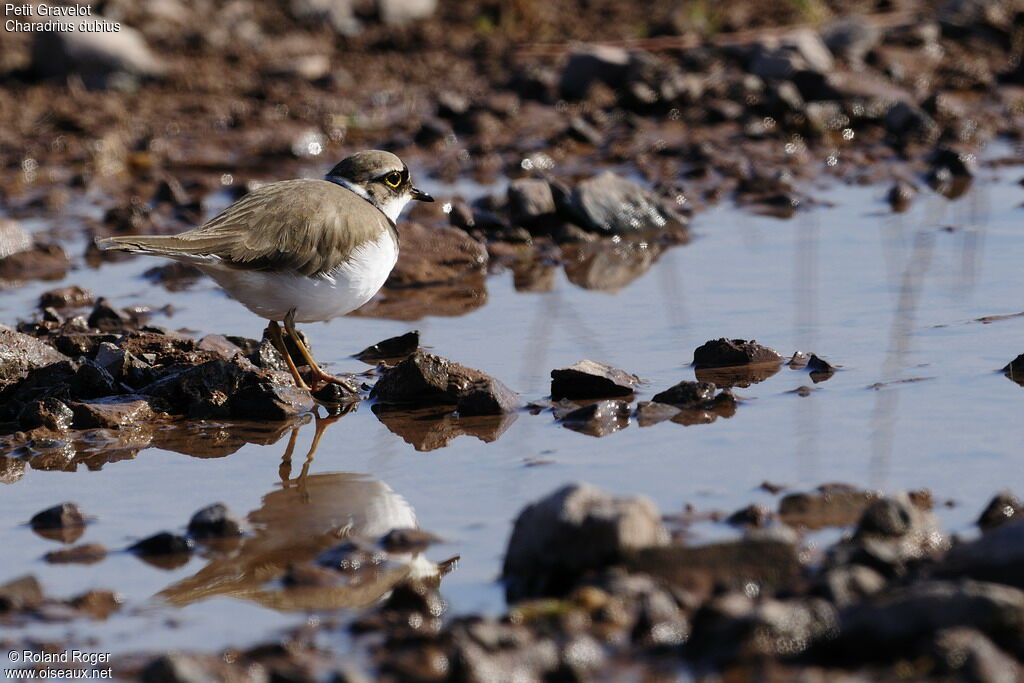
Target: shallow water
888	297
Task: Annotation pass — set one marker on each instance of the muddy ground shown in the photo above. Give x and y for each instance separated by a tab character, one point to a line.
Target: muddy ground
602	128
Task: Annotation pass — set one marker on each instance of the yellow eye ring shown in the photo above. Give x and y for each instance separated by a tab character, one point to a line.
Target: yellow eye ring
393	179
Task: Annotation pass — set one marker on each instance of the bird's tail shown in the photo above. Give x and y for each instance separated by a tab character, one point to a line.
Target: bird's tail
168	246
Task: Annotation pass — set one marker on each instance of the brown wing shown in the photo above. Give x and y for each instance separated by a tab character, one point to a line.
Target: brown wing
304	226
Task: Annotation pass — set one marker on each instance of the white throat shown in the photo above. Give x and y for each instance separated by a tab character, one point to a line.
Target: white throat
391	208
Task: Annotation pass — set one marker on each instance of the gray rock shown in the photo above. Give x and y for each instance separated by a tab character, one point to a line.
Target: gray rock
612	205
399	12
529	199
574	530
850	38
590	64
96	56
591	379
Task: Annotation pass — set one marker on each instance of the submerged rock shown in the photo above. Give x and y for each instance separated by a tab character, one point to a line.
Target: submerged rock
687	394
426	379
88	553
591	379
719	353
576	529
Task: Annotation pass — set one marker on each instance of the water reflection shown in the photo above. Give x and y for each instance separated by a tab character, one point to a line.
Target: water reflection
303	516
428	429
448	300
609	266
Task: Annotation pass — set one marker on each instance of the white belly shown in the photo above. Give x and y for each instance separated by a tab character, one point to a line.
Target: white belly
272	295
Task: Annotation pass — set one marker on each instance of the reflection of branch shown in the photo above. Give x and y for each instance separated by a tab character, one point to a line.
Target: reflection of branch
884	415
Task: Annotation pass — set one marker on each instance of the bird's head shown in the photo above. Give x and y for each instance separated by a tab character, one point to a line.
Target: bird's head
379	177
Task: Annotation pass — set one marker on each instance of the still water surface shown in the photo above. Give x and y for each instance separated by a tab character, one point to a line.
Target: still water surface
889	297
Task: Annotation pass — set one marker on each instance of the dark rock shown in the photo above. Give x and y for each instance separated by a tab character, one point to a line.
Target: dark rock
719	353
106	318
99	58
906	121
900	196
892	622
91	381
408	540
771	564
215	521
997	556
1001	509
752	515
58	517
163	543
959	164
426	379
612	205
88	553
591	379
599	418
66	297
114	412
834	505
529	200
393	348
1014	369
415	597
820	369
687	394
574	530
593	64
732	628
178	667
651	413
435	255
41	262
20	353
48	412
21	594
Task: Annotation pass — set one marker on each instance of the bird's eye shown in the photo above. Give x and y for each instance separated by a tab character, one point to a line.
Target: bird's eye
394	179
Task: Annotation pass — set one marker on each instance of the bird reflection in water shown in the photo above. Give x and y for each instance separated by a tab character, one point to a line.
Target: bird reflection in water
298	521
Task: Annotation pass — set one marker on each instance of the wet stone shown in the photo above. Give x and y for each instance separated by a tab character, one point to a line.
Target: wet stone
106	318
87	553
575	529
20	353
114	412
529	200
1005	506
48	412
831	505
723	352
392	348
687	394
612	205
163	543
215	521
426	379
591	379
820	370
414	596
752	515
66	297
58	517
